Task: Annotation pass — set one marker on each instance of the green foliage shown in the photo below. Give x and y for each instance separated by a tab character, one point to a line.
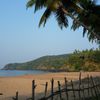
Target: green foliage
87	60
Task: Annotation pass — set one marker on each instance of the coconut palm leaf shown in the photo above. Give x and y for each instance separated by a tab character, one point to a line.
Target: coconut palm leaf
45	16
84	31
61	18
30	3
39	4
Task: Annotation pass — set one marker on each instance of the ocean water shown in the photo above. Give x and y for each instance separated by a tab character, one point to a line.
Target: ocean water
20	72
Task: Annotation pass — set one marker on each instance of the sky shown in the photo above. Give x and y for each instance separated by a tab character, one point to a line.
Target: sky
22	40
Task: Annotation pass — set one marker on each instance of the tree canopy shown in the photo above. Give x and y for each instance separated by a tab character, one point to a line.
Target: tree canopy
84	13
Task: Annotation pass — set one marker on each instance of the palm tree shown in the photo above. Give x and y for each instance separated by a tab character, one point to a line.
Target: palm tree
84	13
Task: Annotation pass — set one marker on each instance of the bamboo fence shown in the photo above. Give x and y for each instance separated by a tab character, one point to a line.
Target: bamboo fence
83	89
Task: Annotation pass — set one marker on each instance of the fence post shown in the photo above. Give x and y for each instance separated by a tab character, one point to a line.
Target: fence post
79	86
46	85
52	87
33	90
66	88
73	89
17	95
88	86
1	93
59	88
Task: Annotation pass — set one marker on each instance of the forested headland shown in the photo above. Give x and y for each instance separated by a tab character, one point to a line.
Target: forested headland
86	60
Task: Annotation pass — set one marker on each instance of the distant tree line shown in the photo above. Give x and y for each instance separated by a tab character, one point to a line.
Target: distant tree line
87	60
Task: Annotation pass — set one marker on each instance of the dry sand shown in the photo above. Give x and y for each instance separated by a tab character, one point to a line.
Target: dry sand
23	84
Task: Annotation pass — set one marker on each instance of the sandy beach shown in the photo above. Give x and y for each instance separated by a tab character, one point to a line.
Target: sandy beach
23	84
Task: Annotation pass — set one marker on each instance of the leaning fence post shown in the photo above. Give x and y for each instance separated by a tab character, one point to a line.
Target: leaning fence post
59	88
66	88
33	90
52	86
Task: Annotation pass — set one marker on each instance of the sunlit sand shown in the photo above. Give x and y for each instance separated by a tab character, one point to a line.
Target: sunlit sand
23	84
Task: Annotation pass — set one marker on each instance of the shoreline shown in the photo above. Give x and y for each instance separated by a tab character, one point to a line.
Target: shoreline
50	70
47	70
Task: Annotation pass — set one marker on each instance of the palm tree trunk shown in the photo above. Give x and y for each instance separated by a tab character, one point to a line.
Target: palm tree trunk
86	27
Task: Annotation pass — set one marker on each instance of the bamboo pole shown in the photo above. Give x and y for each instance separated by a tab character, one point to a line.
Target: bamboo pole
59	89
88	86
52	88
79	86
17	95
73	90
33	90
46	86
66	88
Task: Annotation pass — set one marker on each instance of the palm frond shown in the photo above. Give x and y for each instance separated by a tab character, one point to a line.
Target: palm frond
84	31
75	25
87	4
61	18
45	16
30	3
39	4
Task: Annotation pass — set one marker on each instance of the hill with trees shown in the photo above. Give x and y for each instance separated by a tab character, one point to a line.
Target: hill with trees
87	60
